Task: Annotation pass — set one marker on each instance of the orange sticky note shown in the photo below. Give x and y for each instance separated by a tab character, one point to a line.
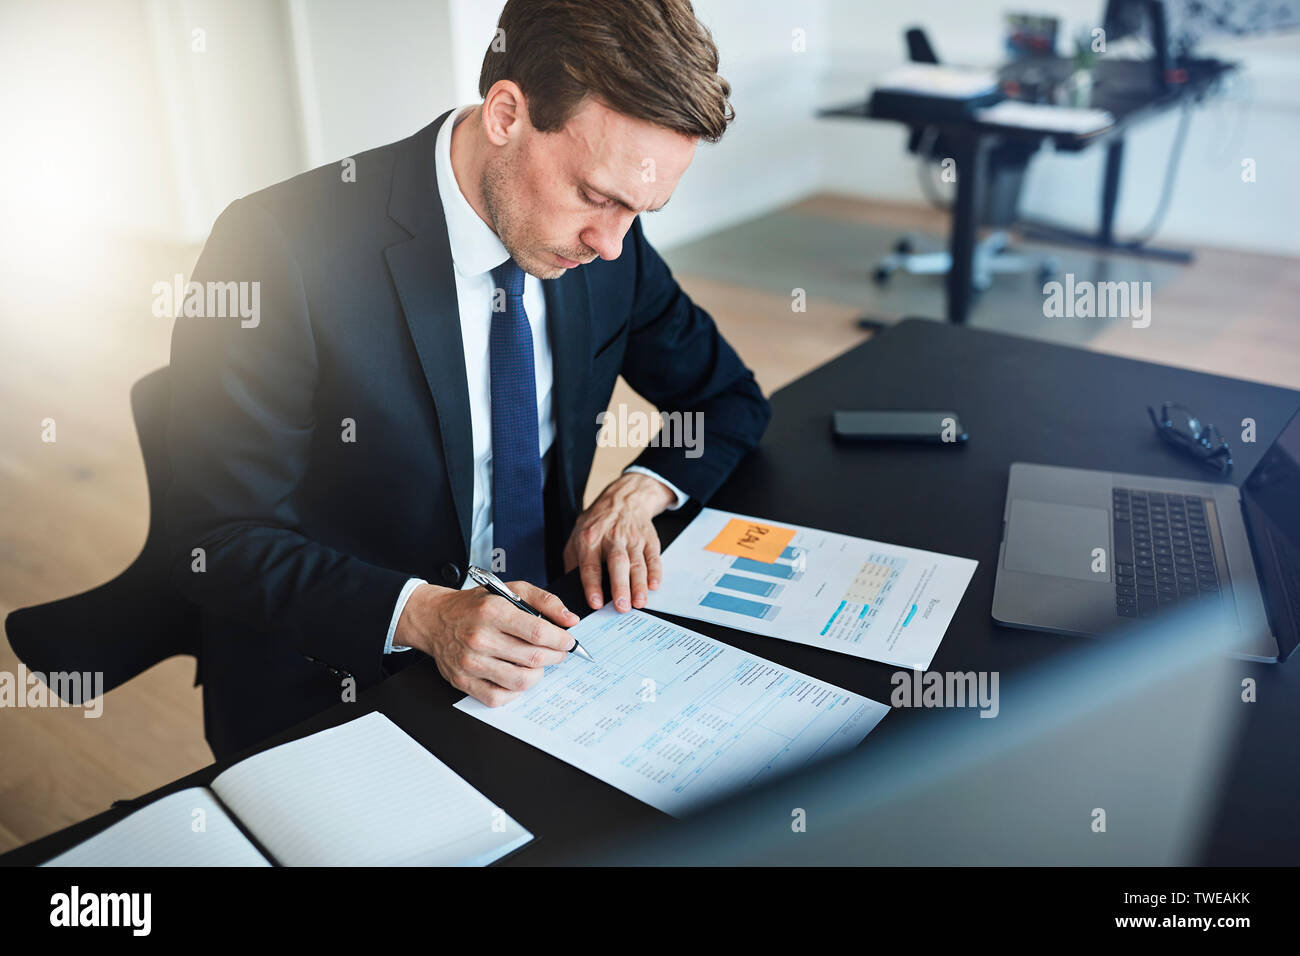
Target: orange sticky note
751	539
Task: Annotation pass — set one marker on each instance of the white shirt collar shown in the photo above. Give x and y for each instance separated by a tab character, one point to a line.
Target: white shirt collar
475	248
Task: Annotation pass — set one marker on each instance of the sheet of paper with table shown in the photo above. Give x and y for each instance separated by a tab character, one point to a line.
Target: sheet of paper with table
879	601
677	719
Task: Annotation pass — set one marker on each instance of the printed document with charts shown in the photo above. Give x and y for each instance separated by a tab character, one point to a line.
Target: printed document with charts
879	601
677	719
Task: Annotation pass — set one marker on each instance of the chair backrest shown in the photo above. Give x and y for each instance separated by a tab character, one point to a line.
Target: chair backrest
918	51
137	619
918	47
1007	162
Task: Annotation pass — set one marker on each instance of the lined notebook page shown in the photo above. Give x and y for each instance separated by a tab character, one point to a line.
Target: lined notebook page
365	794
168	832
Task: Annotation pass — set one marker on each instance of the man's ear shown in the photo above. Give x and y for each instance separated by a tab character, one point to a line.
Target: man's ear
505	112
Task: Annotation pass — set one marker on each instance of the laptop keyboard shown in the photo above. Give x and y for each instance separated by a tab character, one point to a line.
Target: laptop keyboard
1163	552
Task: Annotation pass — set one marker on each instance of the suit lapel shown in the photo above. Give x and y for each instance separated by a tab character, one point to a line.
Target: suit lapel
568	321
423	273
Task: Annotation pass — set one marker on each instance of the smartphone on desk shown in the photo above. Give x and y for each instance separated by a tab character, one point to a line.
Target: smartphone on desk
913	426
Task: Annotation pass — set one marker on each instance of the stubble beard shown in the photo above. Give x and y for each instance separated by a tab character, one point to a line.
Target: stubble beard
505	216
503	213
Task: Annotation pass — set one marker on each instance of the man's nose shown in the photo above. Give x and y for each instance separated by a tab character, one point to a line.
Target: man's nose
606	236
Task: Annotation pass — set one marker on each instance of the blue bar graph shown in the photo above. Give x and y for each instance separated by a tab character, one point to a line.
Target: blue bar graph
737	582
736	605
758	567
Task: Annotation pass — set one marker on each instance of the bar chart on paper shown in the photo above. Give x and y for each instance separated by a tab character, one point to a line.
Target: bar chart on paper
760	583
866	598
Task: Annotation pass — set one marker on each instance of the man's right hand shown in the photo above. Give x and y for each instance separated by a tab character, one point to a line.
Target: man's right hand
482	643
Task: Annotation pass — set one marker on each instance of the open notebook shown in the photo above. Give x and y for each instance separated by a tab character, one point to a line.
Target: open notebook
360	794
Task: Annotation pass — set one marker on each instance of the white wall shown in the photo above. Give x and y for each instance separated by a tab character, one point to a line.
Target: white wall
770	154
148	117
229	106
83	147
369	74
472	26
114	122
1256	116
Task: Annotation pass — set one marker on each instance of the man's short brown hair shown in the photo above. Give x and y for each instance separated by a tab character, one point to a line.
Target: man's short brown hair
649	59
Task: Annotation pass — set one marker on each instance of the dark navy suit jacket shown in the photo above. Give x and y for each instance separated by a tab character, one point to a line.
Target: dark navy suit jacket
307	539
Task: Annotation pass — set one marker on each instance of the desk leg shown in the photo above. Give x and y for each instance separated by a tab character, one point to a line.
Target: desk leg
1110	190
1104	238
972	162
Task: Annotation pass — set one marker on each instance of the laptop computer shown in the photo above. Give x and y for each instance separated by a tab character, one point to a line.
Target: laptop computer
1090	552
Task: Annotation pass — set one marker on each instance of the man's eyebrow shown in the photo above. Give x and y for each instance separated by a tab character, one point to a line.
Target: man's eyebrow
622	202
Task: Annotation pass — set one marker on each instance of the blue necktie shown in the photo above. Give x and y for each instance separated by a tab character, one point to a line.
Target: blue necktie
517	521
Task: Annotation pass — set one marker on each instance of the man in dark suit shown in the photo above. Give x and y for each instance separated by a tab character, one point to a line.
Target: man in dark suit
436	326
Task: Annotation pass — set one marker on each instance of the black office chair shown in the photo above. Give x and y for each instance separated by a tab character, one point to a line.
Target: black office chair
124	627
1007	163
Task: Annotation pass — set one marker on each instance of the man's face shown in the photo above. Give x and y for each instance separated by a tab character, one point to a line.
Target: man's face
560	199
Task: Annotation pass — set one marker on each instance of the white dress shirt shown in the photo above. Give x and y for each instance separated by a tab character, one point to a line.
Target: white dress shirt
476	251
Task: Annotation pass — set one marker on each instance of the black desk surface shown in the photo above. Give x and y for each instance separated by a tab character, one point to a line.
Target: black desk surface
1129	104
1021	400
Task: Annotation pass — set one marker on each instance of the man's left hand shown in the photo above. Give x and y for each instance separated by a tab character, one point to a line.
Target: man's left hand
618	531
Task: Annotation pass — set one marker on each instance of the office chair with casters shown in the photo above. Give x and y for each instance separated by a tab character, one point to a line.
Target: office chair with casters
1007	163
992	257
124	627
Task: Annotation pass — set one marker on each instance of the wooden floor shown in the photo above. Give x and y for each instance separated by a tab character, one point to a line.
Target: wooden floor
73	512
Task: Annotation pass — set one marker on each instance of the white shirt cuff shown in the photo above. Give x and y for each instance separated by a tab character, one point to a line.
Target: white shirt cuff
407	590
682	497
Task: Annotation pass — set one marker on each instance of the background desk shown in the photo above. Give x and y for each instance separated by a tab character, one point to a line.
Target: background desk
972	139
1021	401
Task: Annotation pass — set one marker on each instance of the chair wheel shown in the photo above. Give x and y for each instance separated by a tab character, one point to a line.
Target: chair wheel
903	246
880	275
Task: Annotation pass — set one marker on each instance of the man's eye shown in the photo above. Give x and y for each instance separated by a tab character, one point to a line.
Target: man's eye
599	204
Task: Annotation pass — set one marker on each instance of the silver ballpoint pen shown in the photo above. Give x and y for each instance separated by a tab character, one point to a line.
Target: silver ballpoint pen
498	587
